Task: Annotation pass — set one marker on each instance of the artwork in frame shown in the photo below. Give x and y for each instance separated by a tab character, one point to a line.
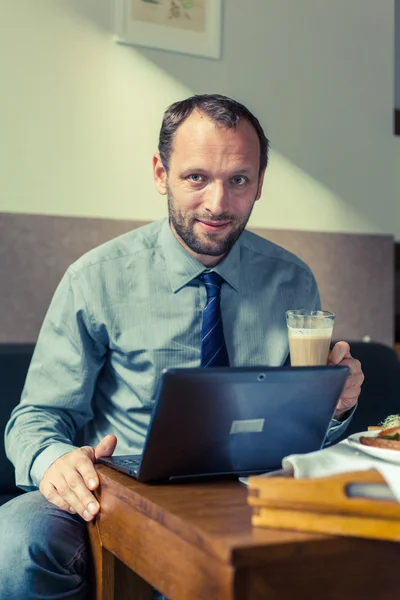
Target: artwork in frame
188	26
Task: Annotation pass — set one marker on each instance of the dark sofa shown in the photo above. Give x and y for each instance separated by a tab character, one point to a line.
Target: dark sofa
14	363
380	395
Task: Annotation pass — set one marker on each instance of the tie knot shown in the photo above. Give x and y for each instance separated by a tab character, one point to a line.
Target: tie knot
213	283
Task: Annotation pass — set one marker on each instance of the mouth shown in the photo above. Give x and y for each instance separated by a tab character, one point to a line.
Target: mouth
212	226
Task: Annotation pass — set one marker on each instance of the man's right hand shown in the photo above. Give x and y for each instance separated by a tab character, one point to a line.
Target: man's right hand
69	479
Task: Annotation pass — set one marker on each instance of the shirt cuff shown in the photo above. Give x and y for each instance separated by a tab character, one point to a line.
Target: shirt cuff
337	428
46	458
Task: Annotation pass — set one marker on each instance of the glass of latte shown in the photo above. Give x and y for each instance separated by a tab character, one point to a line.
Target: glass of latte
310	335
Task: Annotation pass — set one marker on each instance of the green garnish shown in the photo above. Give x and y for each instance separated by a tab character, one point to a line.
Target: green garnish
390	421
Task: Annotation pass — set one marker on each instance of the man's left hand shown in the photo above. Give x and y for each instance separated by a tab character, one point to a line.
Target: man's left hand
340	355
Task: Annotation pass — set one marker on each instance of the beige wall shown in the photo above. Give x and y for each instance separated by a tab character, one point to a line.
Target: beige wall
80	114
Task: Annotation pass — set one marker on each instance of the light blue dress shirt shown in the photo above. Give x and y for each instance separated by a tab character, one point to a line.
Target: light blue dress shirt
125	311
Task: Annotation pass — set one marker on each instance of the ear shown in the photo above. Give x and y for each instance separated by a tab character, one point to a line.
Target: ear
260	185
160	175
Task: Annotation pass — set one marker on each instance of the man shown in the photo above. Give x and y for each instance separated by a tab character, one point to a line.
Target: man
132	307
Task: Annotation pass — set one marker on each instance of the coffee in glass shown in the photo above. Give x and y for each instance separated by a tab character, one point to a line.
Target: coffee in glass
310	335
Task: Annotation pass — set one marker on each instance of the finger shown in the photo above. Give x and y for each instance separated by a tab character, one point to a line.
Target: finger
355	375
50	493
350	397
351	392
106	446
84	465
78	495
353	364
340	351
71	487
345	405
354	389
67	494
346	402
354	381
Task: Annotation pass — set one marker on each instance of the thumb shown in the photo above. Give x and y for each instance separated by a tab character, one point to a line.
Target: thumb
339	352
106	446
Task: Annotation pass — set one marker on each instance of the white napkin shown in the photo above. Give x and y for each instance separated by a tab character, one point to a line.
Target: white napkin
341	458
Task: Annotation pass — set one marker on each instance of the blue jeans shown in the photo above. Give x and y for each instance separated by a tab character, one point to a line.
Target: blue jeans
43	551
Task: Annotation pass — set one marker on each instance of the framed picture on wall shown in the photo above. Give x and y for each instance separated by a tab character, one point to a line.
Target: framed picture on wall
188	26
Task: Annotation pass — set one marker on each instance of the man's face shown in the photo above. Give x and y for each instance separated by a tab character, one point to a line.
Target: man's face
212	184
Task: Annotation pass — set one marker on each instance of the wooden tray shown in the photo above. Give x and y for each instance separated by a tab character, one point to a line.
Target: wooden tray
353	504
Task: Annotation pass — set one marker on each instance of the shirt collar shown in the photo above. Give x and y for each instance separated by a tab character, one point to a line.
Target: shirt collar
182	267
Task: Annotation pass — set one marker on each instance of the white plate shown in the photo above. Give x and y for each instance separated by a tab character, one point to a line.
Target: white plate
392	456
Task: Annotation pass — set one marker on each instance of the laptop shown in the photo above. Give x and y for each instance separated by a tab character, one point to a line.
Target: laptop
233	421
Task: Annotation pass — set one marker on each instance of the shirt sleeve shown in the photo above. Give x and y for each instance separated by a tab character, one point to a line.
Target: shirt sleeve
56	400
337	428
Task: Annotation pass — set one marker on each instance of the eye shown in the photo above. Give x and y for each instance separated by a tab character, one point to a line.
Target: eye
195	177
239	180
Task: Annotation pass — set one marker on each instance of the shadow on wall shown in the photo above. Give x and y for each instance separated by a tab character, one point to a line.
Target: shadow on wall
98	12
283	60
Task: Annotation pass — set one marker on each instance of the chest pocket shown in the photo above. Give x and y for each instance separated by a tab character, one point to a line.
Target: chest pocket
141	350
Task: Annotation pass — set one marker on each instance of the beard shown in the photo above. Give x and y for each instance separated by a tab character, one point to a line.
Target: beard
209	243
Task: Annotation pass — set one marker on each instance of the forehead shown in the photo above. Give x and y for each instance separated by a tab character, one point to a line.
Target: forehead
200	137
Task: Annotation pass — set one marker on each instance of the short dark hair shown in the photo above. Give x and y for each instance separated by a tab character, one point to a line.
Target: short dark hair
222	110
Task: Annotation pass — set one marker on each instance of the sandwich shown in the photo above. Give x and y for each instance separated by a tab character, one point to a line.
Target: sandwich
388	436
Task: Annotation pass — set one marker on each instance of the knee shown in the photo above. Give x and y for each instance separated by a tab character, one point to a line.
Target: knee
24	520
17	518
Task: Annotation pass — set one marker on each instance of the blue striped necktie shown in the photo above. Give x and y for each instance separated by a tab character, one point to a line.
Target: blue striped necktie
213	348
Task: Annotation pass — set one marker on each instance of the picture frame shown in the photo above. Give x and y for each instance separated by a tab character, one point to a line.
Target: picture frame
184	26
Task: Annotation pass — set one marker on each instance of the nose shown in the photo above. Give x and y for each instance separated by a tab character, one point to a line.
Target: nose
216	201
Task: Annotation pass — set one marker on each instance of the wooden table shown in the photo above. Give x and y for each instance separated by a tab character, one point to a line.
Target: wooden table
195	541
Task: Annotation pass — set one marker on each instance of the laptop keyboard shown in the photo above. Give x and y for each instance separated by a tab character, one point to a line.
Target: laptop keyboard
132	463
